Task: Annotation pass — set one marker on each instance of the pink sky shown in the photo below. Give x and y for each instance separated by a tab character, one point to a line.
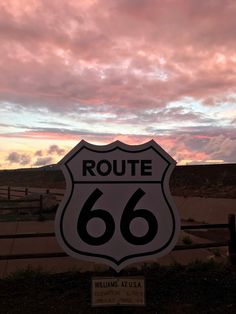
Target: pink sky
117	69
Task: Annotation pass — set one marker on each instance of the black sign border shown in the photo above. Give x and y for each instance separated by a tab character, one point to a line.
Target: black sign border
125	258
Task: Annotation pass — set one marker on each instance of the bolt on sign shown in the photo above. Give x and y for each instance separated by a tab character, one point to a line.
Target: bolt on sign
117	208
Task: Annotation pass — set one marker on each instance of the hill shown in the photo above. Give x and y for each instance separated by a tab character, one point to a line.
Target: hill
193	180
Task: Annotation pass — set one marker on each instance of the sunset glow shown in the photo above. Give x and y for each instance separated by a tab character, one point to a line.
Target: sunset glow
106	70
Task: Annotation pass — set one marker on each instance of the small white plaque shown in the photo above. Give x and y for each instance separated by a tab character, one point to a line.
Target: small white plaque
112	291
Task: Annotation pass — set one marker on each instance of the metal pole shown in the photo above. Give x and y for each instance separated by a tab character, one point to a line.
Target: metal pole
9	193
40	217
232	241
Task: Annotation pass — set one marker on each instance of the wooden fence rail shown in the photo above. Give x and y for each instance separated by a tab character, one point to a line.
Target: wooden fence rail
23	204
10	192
18	201
231	243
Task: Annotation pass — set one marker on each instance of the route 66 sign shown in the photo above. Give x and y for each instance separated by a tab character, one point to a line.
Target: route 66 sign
117	208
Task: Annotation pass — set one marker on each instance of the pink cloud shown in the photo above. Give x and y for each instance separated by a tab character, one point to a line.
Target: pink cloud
128	59
82	56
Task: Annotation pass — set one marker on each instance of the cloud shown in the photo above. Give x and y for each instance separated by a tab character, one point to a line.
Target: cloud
55	149
21	159
56	134
38	153
92	59
47	156
222	146
196	143
43	161
106	70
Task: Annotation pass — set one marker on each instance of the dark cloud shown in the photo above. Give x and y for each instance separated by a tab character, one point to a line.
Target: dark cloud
58	133
21	159
38	153
55	149
43	161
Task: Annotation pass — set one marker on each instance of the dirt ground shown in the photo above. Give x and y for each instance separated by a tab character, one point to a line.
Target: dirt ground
192	211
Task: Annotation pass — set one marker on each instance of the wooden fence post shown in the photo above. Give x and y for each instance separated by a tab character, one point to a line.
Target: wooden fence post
9	193
26	191
232	241
40	217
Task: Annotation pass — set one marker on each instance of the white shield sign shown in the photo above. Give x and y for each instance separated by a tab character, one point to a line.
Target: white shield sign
117	208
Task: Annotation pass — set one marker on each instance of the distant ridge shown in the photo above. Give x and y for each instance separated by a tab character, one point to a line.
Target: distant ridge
56	167
53	167
214	180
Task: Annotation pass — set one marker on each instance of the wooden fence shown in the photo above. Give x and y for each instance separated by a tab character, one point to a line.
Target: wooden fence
21	205
15	193
15	200
230	243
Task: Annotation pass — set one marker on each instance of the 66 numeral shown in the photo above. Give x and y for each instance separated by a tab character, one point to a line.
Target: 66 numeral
128	215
